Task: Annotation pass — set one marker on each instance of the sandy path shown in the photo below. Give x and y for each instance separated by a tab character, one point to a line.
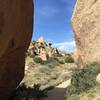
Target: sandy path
58	92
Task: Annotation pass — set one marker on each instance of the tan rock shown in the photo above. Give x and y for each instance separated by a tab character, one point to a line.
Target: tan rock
86	26
30	49
49	50
41	40
98	78
43	54
50	54
16	18
28	61
31	46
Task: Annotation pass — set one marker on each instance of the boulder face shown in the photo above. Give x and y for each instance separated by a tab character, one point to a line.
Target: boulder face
16	24
77	58
86	26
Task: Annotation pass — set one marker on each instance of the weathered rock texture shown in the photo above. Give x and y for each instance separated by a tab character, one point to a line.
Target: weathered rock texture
16	18
77	58
86	26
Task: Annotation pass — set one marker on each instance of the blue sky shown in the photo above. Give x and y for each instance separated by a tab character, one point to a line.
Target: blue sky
52	20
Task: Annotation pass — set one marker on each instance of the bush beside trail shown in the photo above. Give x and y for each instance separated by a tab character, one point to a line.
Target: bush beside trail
83	79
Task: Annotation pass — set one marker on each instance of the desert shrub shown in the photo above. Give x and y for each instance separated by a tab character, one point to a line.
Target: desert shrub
74	97
45	70
83	79
50	60
28	93
69	59
38	60
33	42
57	55
61	62
32	56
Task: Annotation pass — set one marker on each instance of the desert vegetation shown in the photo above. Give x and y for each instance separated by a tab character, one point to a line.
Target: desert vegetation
41	74
83	83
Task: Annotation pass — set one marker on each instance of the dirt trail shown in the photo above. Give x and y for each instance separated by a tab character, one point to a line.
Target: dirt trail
58	92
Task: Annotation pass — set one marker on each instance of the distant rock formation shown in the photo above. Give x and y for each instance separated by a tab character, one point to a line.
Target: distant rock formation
43	54
40	48
41	40
86	26
43	51
16	17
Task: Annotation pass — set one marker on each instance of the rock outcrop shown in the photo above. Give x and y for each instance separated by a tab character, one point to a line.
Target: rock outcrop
41	40
16	25
86	26
43	54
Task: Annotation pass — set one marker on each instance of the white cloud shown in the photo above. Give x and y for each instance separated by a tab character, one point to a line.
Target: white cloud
68	46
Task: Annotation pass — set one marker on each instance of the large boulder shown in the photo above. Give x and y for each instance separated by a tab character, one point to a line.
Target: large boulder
77	58
16	25
86	26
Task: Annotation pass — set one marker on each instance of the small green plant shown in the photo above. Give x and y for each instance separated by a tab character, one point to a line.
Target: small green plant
38	60
32	56
61	62
74	97
57	55
50	60
69	59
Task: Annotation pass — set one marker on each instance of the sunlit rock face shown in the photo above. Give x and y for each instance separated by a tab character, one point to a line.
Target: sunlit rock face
86	26
77	58
16	23
41	40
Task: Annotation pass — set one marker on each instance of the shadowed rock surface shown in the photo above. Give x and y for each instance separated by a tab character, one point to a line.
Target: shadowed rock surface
16	25
86	26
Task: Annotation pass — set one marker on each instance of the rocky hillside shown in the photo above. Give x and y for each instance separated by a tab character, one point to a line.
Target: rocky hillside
40	52
46	67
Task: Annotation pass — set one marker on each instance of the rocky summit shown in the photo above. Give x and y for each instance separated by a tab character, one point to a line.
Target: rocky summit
42	52
41	40
16	17
86	26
